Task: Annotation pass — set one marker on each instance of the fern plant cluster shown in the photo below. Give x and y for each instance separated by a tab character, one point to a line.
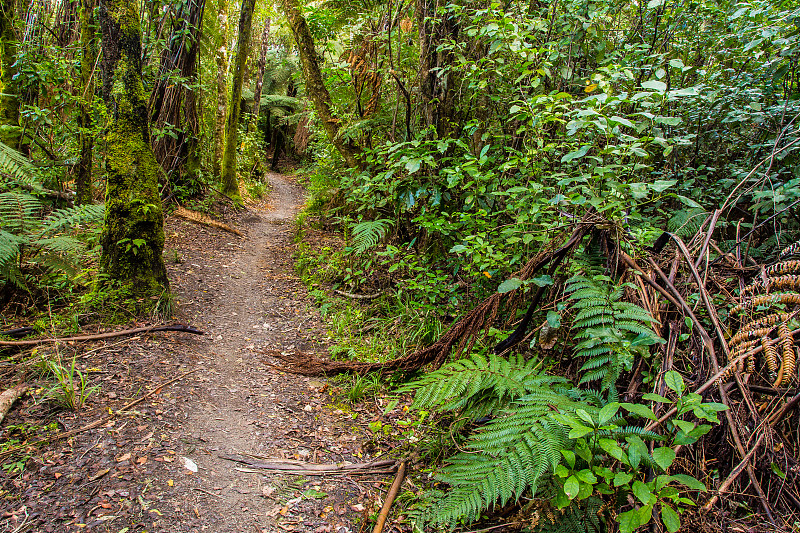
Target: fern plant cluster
567	449
39	246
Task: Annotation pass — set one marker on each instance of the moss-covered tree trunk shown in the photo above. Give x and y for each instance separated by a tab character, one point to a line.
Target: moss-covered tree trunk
230	182
222	87
9	97
83	179
133	231
315	87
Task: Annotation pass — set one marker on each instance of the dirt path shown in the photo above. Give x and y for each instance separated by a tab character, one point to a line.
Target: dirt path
158	468
251	408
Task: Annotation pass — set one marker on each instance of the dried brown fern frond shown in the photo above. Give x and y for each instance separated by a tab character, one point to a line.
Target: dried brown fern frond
784	267
768	299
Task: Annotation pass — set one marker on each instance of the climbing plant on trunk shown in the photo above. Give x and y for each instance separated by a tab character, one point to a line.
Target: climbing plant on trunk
133	231
315	85
230	184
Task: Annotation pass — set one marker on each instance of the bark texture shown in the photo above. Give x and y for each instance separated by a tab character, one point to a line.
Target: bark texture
230	182
133	231
89	54
315	87
173	106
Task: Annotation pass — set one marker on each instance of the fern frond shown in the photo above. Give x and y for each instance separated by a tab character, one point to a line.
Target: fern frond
71	217
16	166
369	233
17	211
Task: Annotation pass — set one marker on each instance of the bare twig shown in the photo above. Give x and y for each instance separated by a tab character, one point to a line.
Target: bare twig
387	504
108	335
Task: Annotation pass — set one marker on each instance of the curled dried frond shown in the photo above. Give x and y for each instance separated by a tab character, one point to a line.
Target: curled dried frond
792	249
784	267
768	299
781	282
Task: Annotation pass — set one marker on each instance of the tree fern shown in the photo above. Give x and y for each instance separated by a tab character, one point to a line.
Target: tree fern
368	234
610	331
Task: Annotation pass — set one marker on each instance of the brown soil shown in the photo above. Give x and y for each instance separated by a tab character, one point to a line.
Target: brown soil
135	473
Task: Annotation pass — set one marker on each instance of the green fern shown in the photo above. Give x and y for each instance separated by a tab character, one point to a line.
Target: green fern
368	234
15	167
610	331
518	447
30	243
685	223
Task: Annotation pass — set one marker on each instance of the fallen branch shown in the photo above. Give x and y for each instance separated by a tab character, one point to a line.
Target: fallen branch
387	504
200	218
108	335
8	397
97	423
359	296
310	469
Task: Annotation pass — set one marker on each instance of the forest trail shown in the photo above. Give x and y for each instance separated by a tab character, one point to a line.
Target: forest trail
243	406
160	466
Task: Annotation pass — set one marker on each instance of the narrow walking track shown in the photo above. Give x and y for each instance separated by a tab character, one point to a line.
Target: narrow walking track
158	467
240	405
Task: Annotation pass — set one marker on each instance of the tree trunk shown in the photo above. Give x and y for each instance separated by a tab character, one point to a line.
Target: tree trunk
230	183
436	80
83	179
222	88
315	87
262	64
10	131
173	105
133	230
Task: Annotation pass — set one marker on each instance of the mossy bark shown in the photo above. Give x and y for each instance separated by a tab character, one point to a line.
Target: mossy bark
10	132
230	182
133	231
83	179
315	86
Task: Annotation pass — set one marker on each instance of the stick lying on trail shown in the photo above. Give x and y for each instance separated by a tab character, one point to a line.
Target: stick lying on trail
310	469
107	335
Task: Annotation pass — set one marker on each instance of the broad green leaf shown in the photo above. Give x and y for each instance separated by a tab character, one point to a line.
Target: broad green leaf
642	492
689	482
676	63
579	431
544	280
412	165
622	478
576	154
653	397
670	518
675	382
623	121
641	410
553	319
571	487
509	285
655	85
664	456
608	412
587	476
612	448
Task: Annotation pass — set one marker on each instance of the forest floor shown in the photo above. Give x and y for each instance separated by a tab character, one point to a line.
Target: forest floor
160	466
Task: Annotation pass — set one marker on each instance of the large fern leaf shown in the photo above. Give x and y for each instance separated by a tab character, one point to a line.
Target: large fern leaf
368	234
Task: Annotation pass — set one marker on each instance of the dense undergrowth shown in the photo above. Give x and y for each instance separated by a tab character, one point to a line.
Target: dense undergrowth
668	132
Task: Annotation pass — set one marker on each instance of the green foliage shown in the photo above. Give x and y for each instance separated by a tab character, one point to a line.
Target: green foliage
610	332
71	388
540	433
38	245
368	234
